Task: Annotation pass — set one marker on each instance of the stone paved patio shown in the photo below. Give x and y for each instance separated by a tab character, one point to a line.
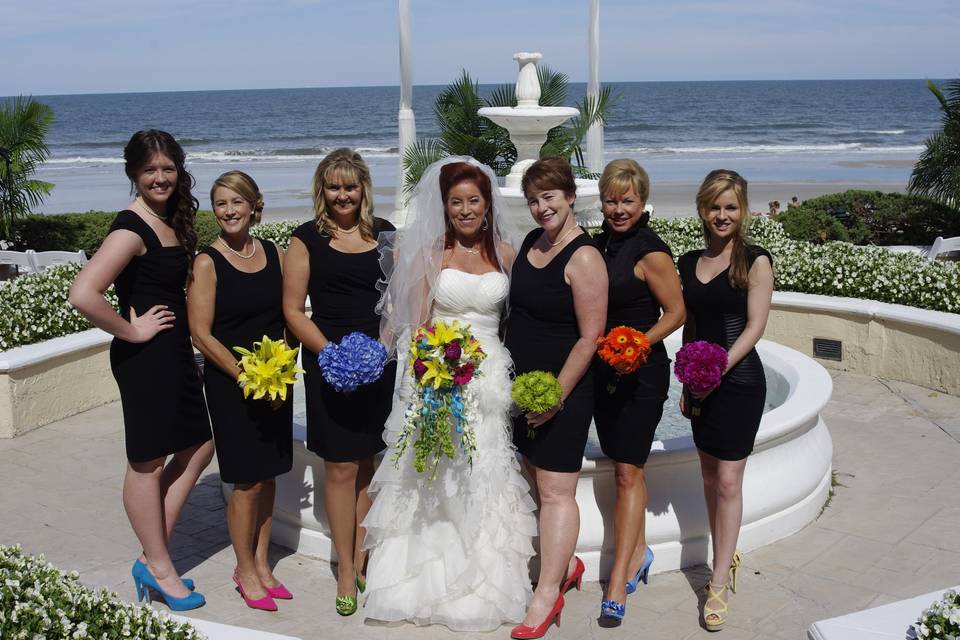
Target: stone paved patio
890	531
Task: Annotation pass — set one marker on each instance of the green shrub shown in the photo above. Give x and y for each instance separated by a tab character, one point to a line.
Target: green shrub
37	600
813	226
873	217
73	231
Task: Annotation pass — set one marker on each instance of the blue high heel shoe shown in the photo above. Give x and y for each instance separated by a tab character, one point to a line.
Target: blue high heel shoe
187	582
642	573
143	581
612	613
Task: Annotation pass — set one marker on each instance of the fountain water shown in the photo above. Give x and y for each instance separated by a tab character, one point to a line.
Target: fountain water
528	124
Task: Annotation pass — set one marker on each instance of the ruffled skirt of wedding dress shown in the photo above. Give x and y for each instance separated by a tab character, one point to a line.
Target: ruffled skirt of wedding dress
453	551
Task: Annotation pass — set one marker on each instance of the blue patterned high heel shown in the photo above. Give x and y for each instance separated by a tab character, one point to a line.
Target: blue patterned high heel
187	582
643	573
143	581
612	613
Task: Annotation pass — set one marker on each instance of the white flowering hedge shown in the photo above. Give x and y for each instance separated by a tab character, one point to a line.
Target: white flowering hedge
837	268
34	307
38	601
941	621
277	232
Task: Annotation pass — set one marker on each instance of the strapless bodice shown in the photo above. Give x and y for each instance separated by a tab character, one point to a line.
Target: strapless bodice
477	300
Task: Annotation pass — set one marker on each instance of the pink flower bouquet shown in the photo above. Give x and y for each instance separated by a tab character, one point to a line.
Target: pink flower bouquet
700	366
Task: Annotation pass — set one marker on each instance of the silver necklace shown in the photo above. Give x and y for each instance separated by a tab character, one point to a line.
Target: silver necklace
145	207
475	252
237	253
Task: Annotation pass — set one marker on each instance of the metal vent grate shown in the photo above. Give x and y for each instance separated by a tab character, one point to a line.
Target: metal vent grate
828	349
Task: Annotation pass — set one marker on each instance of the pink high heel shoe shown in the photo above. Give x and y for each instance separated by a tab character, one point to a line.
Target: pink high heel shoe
265	603
279	592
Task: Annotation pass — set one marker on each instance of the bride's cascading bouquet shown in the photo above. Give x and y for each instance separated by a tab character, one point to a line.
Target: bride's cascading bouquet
357	360
700	365
625	349
537	392
267	369
444	358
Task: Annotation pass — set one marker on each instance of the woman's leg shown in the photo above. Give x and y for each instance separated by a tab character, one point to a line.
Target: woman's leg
261	541
178	479
728	517
559	529
364	476
143	502
708	469
629	535
340	494
242	515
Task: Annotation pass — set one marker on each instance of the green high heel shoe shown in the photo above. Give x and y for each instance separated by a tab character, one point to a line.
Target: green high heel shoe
361	583
346	605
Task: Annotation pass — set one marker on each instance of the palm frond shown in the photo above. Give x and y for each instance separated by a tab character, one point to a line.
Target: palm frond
24	124
553	87
416	158
503	96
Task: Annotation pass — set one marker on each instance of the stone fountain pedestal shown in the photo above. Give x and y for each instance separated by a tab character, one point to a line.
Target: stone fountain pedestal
528	124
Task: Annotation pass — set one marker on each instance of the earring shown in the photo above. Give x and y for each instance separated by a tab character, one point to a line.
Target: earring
485	224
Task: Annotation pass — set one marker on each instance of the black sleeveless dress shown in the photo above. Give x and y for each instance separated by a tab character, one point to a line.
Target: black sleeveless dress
254	442
627	419
342	427
541	331
730	416
160	389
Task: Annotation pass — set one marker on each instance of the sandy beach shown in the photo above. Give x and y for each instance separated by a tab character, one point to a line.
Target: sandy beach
670	200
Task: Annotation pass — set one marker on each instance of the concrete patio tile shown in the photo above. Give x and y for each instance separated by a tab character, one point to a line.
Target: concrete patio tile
889	533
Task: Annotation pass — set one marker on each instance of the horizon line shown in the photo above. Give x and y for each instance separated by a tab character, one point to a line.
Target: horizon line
482	84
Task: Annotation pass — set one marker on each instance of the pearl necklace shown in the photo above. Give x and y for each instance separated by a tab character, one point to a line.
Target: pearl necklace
237	253
563	237
348	231
139	200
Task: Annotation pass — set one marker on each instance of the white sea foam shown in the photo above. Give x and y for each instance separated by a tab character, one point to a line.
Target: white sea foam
778	149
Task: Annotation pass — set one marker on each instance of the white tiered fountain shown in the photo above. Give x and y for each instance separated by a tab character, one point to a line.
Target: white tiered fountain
528	124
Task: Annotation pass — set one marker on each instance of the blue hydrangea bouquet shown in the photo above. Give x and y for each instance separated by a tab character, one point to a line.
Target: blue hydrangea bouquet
357	360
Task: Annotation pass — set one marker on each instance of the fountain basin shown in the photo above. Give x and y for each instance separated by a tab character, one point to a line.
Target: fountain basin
786	483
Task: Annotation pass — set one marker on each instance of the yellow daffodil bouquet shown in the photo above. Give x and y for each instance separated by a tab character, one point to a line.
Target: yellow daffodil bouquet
268	369
444	358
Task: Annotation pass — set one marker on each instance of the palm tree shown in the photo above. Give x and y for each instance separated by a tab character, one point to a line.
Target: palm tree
464	132
937	172
24	124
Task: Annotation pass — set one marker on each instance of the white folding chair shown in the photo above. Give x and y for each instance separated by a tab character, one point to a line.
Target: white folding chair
943	245
22	260
44	259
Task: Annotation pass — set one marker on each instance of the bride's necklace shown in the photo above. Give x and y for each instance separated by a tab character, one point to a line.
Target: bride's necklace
475	252
348	231
146	207
237	253
562	237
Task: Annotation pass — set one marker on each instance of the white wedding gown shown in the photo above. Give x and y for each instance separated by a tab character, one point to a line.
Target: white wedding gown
454	551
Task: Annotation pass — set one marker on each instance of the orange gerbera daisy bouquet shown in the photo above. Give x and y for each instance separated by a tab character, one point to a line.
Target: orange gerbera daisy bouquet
625	349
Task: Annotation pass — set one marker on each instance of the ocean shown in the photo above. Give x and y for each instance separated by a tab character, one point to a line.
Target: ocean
836	132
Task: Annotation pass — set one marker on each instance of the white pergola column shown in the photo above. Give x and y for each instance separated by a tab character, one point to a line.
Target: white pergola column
594	140
405	120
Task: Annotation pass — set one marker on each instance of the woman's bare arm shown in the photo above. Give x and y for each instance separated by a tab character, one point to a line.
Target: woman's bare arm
296	277
201	308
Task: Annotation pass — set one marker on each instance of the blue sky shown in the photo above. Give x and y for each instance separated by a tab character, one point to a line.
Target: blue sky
94	46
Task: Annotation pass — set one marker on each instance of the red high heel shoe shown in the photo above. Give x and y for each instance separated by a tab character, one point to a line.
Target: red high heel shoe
574	578
526	632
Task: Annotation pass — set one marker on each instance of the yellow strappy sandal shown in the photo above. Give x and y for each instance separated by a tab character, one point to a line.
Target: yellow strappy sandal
734	568
715	617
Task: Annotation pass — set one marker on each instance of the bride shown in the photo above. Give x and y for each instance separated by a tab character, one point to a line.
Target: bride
454	550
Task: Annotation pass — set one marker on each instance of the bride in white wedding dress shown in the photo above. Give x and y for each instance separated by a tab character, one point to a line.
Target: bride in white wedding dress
454	550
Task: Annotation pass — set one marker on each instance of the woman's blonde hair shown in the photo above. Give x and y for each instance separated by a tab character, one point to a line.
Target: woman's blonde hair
243	185
717	182
349	167
619	176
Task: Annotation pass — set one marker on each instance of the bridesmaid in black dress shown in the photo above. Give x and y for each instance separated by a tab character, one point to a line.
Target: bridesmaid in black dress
644	294
234	300
147	256
558	305
334	259
727	288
